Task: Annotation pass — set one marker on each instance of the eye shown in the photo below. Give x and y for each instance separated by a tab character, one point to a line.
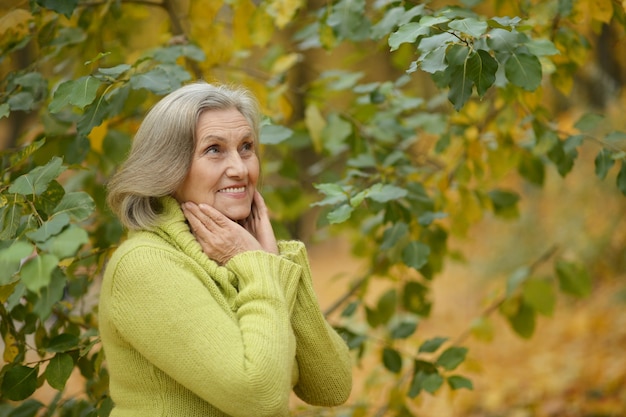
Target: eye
212	149
247	146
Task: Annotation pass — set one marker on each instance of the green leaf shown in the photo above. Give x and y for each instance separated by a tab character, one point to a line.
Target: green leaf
432	21
59	370
502	40
481	69
387	305
407	34
334	193
429	381
274	134
392	360
80	93
393	234
115	71
470	26
22	101
432	345
403	329
539	294
19	382
457	382
589	121
64	7
49	199
61	97
335	133
523	70
84	91
416	254
10	216
460	82
67	243
372	317
391	18
414	299
24	153
523	321
156	81
531	168
615	136
434	61
50	228
542	47
621	178
5	110
11	258
350	309
28	408
63	343
171	54
37	180
573	278
50	295
340	214
385	193
78	205
451	357
36	273
432	382
503	201
564	161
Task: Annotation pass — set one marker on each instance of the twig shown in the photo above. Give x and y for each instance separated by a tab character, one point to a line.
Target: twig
497	303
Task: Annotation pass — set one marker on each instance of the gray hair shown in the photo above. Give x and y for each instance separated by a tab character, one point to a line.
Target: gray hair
161	154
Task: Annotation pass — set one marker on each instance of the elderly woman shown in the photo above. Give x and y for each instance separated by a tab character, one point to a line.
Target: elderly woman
202	311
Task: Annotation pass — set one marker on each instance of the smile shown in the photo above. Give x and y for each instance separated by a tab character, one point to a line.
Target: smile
233	190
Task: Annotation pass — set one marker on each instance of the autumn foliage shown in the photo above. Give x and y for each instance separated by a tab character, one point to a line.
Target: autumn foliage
405	127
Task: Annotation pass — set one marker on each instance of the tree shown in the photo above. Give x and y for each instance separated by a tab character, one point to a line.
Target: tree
397	122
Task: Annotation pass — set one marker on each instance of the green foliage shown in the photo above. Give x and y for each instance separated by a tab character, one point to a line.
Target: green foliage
447	127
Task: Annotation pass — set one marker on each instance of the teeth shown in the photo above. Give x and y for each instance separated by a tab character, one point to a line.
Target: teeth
233	190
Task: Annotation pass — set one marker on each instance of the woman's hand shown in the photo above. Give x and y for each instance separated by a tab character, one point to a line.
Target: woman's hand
219	237
259	225
222	238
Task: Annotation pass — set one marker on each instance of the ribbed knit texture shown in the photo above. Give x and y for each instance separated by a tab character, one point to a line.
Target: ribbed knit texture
185	337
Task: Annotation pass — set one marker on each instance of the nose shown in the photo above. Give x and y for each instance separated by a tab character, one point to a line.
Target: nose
236	167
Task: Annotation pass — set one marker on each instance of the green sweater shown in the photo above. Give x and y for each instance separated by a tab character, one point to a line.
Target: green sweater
184	336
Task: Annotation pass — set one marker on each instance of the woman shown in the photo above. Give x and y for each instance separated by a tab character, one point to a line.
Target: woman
202	311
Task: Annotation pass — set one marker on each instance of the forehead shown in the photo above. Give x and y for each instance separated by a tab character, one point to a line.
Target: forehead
222	121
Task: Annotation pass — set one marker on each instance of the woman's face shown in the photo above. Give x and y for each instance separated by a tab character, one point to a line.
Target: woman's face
225	167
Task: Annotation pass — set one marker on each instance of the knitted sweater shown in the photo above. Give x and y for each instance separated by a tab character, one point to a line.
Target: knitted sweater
184	336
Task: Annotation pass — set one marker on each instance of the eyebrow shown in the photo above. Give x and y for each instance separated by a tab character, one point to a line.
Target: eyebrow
219	138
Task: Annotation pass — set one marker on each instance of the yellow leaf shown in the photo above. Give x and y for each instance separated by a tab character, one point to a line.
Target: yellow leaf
96	136
260	27
10	348
284	62
315	123
242	22
601	10
14	24
283	11
6	291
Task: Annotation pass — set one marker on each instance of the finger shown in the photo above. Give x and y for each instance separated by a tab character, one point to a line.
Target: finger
215	216
192	217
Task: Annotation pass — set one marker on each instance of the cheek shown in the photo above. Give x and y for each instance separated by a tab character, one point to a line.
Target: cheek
254	169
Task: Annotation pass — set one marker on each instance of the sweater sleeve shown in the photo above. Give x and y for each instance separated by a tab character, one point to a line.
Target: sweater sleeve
241	366
323	358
